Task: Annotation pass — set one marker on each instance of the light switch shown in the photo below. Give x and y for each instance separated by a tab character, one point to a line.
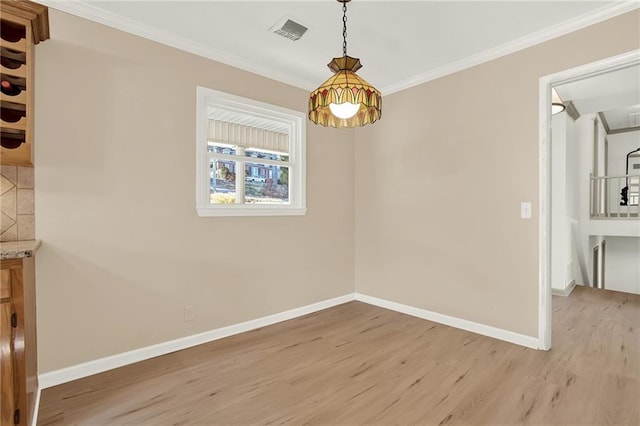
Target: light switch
525	210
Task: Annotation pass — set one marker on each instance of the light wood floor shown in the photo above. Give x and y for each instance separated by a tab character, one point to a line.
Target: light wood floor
357	364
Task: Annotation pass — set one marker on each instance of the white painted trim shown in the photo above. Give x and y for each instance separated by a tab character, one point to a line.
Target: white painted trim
85	9
90	368
581	72
91	12
544	218
544	244
513	46
295	121
565	291
614	227
36	407
79	371
474	327
249	210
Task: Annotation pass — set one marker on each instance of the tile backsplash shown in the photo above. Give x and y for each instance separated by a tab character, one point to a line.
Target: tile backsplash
17	219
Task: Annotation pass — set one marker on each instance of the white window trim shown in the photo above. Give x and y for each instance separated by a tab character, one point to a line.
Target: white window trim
297	146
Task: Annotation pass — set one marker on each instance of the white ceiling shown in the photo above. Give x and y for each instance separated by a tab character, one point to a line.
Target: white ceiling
615	94
400	43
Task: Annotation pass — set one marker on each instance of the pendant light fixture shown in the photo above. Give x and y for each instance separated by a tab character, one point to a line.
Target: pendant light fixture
345	99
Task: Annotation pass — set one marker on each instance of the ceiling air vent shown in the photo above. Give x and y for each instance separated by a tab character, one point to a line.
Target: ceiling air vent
289	28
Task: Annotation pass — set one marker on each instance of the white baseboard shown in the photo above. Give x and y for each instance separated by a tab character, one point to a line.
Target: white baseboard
564	292
474	327
36	407
90	368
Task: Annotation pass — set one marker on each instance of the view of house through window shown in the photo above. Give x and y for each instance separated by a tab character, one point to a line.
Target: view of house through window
250	157
265	175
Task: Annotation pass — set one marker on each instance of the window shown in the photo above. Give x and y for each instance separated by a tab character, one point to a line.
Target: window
250	157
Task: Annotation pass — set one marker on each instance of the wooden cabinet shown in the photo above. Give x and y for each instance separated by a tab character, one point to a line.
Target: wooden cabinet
23	25
18	363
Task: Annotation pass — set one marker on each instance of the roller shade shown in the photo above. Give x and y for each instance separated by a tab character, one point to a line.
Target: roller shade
248	137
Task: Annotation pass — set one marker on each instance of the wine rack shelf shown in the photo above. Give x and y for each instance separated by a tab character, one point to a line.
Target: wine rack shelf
20	45
18	125
24	24
18	72
21	98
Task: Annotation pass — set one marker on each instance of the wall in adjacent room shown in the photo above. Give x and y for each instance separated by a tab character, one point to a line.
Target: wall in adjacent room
622	264
565	156
620	145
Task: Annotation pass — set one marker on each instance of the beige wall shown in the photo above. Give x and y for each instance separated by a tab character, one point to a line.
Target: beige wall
438	184
123	249
440	178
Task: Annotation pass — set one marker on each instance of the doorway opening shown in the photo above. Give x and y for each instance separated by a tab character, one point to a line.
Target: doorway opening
546	199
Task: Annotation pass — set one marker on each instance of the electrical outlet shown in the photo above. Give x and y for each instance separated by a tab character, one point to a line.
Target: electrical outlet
188	313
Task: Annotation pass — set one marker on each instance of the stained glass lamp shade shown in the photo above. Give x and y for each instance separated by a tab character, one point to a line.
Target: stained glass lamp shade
345	99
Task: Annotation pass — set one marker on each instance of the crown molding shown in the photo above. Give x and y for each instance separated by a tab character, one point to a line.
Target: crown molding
572	111
566	27
624	130
610	131
604	122
88	11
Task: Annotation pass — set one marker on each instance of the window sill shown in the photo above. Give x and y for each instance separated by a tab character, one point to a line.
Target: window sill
250	211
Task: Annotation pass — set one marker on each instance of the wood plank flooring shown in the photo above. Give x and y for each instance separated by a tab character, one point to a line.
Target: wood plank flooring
357	364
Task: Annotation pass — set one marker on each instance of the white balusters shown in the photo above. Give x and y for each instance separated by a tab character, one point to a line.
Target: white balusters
606	189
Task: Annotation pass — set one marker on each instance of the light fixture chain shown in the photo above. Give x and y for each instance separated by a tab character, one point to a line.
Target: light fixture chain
344	28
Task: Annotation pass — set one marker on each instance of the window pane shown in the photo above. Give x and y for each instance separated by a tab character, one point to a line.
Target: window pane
220	149
277	156
222	182
266	184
